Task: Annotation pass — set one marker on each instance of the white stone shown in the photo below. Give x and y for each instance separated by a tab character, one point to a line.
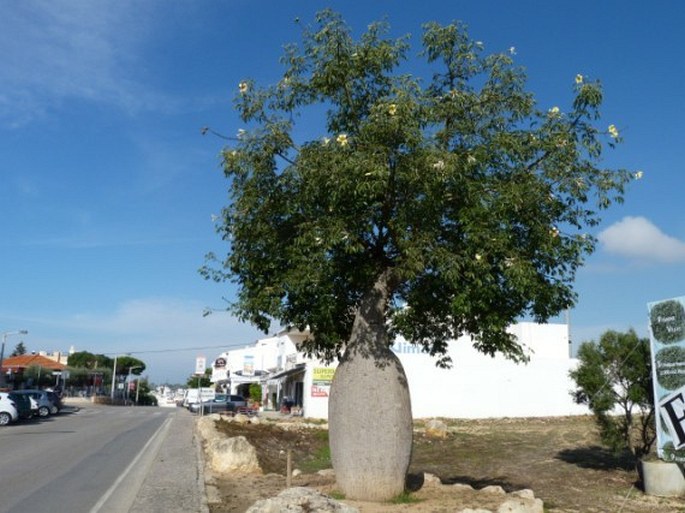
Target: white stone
436	429
525	494
431	479
495	490
520	505
663	478
300	500
232	455
241	419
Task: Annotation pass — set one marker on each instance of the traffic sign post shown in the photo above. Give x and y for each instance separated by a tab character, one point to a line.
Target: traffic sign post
200	365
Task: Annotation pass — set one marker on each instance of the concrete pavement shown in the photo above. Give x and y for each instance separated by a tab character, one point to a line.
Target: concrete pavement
175	482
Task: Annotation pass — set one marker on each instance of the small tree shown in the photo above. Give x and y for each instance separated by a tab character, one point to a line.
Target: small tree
142	393
19	349
38	376
256	392
430	206
614	378
203	381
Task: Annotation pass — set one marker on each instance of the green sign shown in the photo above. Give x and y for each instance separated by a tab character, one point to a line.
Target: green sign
667	340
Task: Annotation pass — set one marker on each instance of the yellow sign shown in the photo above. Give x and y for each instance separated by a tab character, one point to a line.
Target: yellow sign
322	375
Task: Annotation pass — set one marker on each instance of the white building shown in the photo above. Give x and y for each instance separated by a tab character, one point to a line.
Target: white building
476	386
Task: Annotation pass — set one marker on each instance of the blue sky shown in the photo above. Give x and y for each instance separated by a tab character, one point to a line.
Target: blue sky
108	188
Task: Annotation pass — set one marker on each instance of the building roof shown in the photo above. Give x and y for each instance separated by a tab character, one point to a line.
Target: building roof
28	360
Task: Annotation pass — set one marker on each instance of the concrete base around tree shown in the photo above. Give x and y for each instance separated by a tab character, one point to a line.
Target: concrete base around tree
663	478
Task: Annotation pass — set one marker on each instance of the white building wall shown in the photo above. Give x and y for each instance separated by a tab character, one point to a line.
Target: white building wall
476	386
481	386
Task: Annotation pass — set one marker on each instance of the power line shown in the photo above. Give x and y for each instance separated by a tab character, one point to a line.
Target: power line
176	350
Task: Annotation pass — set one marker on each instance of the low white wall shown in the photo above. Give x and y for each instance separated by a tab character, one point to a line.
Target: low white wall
483	387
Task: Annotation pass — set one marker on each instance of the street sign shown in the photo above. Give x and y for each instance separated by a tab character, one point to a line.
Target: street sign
200	364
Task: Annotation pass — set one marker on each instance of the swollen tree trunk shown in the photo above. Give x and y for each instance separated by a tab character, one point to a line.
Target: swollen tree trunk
370	420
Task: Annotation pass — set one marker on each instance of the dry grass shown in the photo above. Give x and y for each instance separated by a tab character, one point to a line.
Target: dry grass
560	459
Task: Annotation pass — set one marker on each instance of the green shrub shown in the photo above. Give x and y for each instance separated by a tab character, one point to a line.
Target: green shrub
614	378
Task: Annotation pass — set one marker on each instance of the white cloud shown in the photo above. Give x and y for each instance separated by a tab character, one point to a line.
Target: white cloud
56	51
637	238
164	323
166	333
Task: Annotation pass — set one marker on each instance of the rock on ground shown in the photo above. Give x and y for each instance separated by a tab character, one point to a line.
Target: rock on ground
300	500
230	455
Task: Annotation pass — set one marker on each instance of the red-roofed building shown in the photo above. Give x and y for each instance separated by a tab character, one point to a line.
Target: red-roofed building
19	363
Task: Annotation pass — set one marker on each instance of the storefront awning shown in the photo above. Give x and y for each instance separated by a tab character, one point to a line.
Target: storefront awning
283	374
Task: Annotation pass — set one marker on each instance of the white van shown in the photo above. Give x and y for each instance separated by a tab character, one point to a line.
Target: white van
191	395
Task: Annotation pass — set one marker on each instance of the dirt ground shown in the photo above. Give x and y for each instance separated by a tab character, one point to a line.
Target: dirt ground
560	459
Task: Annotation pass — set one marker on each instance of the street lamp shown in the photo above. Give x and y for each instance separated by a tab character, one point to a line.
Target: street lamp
114	376
2	351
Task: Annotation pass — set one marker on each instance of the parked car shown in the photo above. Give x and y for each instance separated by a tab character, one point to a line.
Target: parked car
8	409
23	404
220	403
194	396
56	400
44	406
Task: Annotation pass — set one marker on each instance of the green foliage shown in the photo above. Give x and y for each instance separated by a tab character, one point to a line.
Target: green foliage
668	321
405	497
256	392
129	364
204	381
319	460
84	359
337	495
19	349
145	398
79	377
670	367
38	376
469	200
614	379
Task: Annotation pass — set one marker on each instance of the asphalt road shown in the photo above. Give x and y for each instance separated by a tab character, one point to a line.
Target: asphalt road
91	461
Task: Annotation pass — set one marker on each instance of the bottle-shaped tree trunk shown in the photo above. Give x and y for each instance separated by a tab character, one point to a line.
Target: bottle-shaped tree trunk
370	416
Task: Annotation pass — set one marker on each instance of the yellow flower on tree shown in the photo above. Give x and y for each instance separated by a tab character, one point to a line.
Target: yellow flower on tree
342	140
613	131
579	78
554	111
392	109
637	175
242	87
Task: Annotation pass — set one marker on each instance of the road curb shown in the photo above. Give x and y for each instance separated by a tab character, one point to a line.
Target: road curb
202	485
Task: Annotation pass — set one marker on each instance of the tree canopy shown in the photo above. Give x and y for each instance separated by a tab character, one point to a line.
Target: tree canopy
85	359
19	349
471	202
129	364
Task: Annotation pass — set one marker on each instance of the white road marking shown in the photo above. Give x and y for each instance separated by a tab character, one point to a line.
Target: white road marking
158	435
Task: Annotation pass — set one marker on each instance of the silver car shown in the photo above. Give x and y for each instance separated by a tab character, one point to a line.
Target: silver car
43	403
221	403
